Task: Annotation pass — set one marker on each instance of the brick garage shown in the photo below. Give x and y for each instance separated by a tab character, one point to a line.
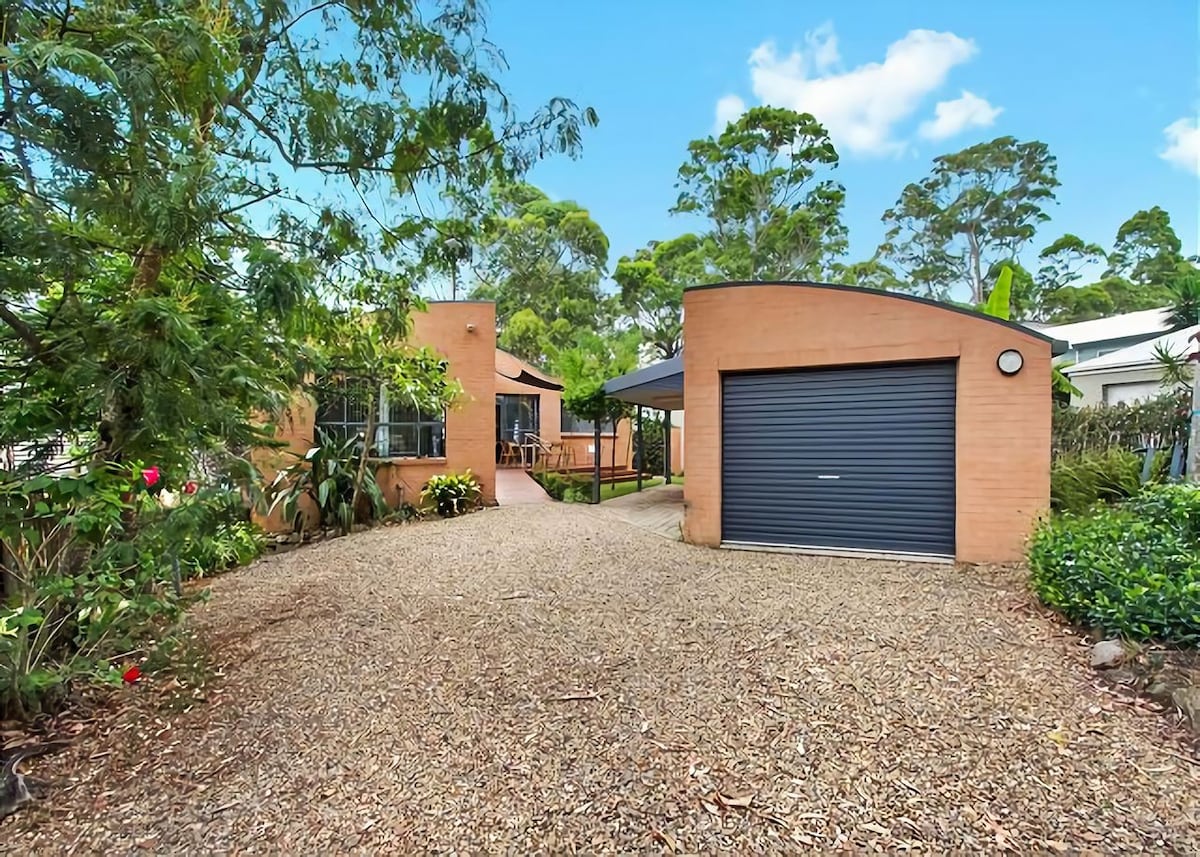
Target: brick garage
999	425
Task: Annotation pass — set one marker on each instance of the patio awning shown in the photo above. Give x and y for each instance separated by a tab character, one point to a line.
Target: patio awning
513	368
658	386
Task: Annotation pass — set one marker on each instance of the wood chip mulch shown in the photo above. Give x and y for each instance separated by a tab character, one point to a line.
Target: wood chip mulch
545	680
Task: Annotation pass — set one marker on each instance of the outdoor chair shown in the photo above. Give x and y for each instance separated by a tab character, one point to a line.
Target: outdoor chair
510	454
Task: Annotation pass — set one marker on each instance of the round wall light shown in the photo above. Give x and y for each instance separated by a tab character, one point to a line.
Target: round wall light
1010	361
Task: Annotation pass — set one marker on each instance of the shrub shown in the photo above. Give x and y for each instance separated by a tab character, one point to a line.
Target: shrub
562	486
326	474
228	545
84	577
1132	570
452	494
578	494
1079	481
1160	423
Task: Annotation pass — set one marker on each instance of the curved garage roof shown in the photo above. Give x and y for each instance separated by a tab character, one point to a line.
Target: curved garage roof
660	385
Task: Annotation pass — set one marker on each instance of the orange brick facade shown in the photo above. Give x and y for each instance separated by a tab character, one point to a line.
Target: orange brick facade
464	332
1002	432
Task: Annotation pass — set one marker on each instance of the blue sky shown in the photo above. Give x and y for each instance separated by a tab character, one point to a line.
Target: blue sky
1097	81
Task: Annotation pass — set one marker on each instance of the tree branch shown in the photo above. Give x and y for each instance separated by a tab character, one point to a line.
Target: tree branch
28	335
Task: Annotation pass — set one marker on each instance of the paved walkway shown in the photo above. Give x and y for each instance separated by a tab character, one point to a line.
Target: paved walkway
658	509
515	487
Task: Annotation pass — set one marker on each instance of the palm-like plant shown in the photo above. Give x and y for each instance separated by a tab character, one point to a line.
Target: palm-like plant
1185	304
328	474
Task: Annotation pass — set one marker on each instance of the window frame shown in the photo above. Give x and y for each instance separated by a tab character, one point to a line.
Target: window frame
568	422
380	448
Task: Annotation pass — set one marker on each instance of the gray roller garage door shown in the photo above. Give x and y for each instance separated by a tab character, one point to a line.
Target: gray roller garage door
857	458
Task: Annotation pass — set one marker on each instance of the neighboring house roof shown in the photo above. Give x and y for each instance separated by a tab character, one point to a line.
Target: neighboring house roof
1139	355
1144	322
516	369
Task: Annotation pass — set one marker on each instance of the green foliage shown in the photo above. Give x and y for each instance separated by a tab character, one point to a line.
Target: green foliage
541	261
999	302
1133	570
1147	250
1185	298
871	274
452	494
652	429
1145	270
81	582
1176	368
566	487
977	207
325	479
771	214
652	285
227	545
1159	422
1080	481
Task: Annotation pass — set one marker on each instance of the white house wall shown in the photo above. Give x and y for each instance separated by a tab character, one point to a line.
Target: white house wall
1092	384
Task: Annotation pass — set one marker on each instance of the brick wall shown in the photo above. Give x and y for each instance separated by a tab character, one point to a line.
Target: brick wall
470	421
1002	454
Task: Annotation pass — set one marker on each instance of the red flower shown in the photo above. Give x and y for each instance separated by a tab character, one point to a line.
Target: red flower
150	476
190	487
131	675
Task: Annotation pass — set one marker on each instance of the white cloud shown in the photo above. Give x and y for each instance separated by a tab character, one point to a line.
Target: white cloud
822	44
954	117
1183	145
860	106
729	107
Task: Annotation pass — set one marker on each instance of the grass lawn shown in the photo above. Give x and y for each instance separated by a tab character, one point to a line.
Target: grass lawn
608	492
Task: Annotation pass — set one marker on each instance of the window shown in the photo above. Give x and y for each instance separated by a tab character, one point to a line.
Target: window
572	424
401	430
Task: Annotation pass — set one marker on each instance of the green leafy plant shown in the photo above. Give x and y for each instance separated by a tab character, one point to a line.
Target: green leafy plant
559	485
453	493
1159	422
1079	481
84	579
325	476
577	494
1132	570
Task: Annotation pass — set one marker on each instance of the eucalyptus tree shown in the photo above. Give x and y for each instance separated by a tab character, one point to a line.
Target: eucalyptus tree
977	207
763	186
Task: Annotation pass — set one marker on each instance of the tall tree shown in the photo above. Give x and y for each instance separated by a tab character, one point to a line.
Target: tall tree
762	184
1147	250
652	284
1064	260
870	274
977	207
1143	271
158	265
541	261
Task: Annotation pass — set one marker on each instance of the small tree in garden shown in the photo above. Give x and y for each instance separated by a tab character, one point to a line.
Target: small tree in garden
585	368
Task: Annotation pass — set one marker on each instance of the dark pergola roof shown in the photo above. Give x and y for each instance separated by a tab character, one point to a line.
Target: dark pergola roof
658	386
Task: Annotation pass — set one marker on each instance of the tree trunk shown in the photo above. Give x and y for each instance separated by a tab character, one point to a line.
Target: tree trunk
977	294
368	442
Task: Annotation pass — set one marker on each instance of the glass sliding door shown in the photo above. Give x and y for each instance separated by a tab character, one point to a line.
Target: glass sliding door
517	416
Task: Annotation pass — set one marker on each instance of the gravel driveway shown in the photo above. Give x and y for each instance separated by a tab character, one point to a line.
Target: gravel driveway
547	679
